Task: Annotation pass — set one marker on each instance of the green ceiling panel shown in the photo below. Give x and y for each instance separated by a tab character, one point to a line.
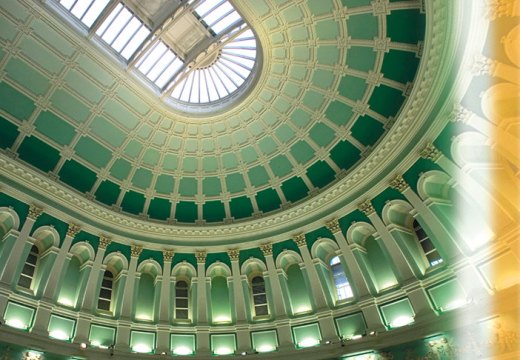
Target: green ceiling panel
352	87
95	71
281	104
328	54
107	131
298	33
8	30
284	133
120	169
9	133
355	3
159	209
321	7
258	176
26	76
38	153
267	145
235	183
345	155
40	55
400	65
268	200
320	174
211	186
361	58
300	118
291	89
363	26
339	113
15	103
298	73
53	38
78	176
413	20
121	114
313	99
188	186
367	130
209	163
327	30
321	134
295	189
107	192
186	212
280	165
133	202
15	9
189	164
302	152
133	148
323	78
93	152
70	106
301	53
83	86
159	138
133	100
248	154
270	117
144	131
292	14
164	184
142	178
386	100
170	162
54	128
213	211
241	207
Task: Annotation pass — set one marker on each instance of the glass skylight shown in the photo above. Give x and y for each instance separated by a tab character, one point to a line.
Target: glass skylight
159	64
85	10
217	15
123	31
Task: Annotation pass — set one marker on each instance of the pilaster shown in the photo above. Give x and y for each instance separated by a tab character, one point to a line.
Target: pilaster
279	307
128	297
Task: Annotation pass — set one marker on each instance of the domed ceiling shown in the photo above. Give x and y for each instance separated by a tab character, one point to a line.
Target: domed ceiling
333	76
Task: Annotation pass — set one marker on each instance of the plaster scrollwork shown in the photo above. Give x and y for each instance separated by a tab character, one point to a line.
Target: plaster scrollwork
333	225
34	212
168	255
201	257
299	239
366	207
399	183
267	249
73	230
104	241
233	254
430	152
135	250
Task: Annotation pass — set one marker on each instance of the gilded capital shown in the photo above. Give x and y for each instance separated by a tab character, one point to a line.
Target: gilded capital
233	254
34	212
136	250
333	225
168	255
399	183
366	207
104	241
430	152
299	239
73	230
267	249
201	256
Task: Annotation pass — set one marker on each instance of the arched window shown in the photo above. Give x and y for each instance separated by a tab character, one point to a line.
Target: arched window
259	296
343	289
29	268
431	253
105	293
181	300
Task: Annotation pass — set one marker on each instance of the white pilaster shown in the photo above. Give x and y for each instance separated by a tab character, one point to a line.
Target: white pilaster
202	309
92	288
238	294
276	288
128	295
165	304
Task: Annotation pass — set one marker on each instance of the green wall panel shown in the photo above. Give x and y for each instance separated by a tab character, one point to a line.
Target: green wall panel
241	207
268	200
38	153
159	209
9	133
367	130
186	211
54	128
294	189
78	176
133	202
320	174
107	192
386	100
15	103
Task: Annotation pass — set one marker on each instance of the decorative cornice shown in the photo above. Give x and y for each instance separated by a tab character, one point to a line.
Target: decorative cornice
34	212
104	241
135	250
267	249
73	230
430	152
299	239
367	208
333	225
399	183
233	254
201	257
168	255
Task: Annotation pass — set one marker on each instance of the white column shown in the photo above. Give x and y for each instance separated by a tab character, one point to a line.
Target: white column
202	300
41	319
128	294
92	289
327	327
123	335
284	336
276	288
49	292
420	303
317	287
82	329
238	293
372	317
398	260
358	281
9	269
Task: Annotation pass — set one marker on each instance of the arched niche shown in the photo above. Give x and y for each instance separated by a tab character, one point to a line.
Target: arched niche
115	265
8	220
76	274
147	290
257	288
295	284
220	279
182	291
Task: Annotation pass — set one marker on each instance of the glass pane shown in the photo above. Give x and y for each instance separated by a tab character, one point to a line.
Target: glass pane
181	293
134	43
94	11
25	282
182	303
104	304
105	293
117	25
181	314
109	19
79	9
125	35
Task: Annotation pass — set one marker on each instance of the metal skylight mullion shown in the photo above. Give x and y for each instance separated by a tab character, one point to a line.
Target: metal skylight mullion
241	56
86	10
122	28
103	16
156	61
72	6
215	83
222	17
220	78
241	47
237	63
166	67
112	21
202	16
131	37
207	83
230	68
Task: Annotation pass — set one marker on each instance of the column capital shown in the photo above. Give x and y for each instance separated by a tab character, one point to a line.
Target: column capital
299	239
73	230
135	250
201	257
333	225
34	212
367	208
267	248
460	114
168	255
399	183
233	254
103	242
430	152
